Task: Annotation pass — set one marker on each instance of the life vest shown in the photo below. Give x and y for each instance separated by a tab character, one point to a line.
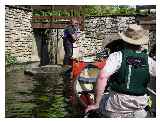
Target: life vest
133	75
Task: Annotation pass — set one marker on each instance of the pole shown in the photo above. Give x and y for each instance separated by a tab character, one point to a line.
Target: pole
56	62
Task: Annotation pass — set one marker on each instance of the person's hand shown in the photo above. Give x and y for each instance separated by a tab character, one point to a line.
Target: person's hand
91	107
74	36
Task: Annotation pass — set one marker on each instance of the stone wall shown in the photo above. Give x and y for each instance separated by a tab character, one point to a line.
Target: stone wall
23	43
152	37
99	31
18	33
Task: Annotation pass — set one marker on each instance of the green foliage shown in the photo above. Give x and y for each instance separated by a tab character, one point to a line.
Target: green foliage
9	59
92	10
52	13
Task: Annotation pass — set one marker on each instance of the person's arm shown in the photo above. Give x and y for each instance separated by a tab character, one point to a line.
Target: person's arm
74	37
100	86
113	63
75	34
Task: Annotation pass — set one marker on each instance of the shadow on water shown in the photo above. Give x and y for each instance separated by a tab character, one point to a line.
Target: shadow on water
39	96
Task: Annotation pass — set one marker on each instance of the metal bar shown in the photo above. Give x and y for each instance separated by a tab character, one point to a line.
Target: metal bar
150	90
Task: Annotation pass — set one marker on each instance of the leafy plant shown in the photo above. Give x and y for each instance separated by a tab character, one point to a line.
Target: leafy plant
9	59
92	10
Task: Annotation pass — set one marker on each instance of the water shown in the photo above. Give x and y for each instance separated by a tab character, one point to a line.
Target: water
41	96
19	95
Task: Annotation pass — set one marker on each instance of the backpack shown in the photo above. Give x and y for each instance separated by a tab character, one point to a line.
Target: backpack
133	75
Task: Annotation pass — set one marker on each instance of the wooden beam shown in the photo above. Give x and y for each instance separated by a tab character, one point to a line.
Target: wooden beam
57	22
51	26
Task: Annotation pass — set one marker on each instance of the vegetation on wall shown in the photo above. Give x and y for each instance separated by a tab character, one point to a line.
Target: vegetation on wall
92	10
9	59
108	10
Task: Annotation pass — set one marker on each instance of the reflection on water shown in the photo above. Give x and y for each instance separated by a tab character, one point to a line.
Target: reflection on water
40	96
18	95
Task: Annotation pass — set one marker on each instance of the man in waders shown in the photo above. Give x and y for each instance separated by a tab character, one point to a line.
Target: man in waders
71	35
127	74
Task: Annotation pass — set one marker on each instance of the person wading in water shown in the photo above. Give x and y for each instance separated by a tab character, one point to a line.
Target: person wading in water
71	35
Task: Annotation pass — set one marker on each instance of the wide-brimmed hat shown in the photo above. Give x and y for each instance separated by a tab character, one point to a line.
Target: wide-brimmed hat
135	34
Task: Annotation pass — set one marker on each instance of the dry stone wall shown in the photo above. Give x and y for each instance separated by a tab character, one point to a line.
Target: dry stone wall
25	45
99	31
18	33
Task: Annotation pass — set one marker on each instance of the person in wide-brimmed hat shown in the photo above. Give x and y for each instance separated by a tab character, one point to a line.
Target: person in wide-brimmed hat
135	35
127	74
